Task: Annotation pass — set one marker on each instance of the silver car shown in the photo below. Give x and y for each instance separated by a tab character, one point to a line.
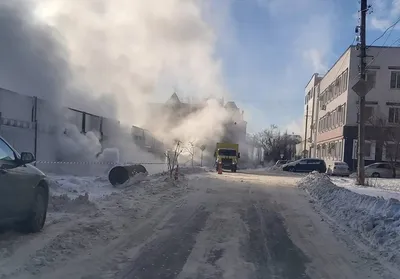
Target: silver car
382	169
24	190
340	169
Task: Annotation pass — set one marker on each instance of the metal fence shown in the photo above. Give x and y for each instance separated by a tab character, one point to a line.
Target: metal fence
33	125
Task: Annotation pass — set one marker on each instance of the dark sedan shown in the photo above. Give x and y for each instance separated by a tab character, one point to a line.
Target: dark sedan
306	165
24	191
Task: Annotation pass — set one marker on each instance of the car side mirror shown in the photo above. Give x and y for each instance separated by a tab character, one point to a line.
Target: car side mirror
27	157
238	154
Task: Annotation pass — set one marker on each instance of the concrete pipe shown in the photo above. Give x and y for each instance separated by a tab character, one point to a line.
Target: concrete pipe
121	174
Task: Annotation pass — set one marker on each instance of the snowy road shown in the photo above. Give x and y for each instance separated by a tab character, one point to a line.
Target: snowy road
243	225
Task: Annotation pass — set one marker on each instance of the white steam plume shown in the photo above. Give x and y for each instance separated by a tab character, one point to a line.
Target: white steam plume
113	57
137	50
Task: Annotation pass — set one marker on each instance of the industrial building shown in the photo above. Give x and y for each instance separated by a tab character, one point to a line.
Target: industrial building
331	106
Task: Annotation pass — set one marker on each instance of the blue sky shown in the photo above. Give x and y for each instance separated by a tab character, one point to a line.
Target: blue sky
270	48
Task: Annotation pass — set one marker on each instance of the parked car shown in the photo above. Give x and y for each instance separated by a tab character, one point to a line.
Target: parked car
382	169
339	169
306	165
24	190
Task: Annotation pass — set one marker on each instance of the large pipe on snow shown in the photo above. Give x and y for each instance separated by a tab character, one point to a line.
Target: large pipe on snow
120	174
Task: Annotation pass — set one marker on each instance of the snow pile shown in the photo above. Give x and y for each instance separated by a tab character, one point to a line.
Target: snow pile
374	219
63	203
75	186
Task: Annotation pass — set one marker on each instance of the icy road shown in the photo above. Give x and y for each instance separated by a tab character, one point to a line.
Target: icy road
242	225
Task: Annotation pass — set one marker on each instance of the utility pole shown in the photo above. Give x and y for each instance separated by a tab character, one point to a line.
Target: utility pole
361	100
305	134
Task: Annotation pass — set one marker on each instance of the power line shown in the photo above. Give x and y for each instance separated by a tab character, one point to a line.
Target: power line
388	36
376	56
384	32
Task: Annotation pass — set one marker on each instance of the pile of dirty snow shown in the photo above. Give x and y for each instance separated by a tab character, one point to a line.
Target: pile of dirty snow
376	220
75	186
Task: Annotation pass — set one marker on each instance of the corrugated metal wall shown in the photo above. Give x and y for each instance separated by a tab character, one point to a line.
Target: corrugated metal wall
19	113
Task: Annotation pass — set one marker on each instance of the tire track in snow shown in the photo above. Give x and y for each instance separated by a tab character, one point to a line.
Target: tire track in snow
217	250
165	256
269	246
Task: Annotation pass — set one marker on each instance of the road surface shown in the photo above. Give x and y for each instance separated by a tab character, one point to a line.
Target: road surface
234	225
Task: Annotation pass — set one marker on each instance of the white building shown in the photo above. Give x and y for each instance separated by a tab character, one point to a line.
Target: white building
307	147
334	114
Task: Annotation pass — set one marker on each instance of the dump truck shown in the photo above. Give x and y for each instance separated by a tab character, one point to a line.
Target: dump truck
227	154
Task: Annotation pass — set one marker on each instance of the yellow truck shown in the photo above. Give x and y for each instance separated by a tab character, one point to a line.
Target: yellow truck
227	154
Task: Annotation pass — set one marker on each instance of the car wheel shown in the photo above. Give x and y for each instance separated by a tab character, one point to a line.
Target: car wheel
37	217
376	174
292	169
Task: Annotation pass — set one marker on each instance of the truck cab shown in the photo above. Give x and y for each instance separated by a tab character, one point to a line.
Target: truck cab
227	154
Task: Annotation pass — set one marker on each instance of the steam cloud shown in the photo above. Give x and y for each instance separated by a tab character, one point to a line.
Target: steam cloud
113	58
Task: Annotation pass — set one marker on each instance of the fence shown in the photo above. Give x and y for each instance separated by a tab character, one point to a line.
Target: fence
33	125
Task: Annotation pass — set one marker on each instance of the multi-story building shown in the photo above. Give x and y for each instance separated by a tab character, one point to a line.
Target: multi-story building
308	146
334	113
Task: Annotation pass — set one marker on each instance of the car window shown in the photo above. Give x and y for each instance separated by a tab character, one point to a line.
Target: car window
302	162
313	162
382	166
6	153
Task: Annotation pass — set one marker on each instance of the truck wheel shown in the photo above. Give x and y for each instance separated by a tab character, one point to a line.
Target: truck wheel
37	216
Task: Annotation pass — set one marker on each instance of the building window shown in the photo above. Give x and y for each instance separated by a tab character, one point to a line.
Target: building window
394	115
395	80
371	77
344	81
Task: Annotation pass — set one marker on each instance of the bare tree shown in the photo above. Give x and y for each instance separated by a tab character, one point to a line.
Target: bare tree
172	157
275	143
190	148
388	135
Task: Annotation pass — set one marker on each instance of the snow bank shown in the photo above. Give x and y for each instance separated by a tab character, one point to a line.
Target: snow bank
63	203
75	186
376	220
71	187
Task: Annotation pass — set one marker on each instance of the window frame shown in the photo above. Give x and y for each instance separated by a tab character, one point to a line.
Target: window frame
375	73
396	80
395	113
